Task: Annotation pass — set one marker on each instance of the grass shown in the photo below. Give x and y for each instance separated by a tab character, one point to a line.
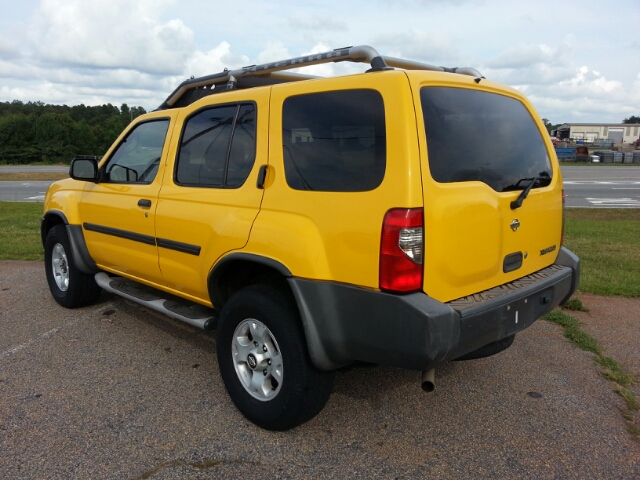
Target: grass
576	305
32	176
606	240
610	368
608	244
20	232
574	332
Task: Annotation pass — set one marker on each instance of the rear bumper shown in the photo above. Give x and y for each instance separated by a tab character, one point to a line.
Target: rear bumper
344	323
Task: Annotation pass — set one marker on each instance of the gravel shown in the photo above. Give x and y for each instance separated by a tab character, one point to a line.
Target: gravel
116	391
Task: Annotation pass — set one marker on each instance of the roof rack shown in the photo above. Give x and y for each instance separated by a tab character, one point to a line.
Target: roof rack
276	72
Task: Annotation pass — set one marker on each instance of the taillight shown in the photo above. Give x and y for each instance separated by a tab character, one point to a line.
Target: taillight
401	250
562	235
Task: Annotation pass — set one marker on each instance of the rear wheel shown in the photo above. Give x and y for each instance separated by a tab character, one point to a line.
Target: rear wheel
264	363
69	286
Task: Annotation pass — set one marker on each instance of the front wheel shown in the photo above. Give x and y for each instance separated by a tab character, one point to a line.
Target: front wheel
264	362
69	286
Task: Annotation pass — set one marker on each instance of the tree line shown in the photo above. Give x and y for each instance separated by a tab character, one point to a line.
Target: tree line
34	132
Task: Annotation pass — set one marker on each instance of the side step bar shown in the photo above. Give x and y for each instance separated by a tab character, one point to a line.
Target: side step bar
177	308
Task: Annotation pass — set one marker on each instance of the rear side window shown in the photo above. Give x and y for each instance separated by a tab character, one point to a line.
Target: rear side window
486	137
334	141
218	147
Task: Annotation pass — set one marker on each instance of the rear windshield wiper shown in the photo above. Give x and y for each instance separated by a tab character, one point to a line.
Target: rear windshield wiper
517	203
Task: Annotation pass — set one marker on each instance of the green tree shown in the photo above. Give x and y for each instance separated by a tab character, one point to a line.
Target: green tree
34	132
632	119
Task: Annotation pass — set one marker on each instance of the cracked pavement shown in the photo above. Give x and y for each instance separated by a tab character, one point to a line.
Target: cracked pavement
116	391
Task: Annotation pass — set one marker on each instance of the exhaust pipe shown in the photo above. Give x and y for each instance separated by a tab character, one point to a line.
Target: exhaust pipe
429	380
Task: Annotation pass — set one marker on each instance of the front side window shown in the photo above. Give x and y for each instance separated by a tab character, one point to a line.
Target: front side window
481	136
334	141
218	147
137	158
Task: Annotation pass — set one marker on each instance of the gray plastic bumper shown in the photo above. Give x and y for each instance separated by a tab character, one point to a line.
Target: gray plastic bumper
344	323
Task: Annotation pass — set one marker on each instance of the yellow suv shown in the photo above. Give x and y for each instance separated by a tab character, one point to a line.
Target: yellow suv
405	216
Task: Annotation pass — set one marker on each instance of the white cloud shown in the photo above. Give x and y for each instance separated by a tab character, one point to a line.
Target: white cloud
433	47
9	48
214	61
586	80
317	23
525	56
138	51
114	34
274	51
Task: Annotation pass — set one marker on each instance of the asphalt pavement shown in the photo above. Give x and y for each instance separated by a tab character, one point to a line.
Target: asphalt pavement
585	187
114	391
602	186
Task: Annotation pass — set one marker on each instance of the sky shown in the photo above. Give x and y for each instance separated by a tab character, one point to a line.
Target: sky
577	61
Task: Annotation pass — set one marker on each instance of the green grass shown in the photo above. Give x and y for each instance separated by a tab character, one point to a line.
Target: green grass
615	372
32	176
574	332
608	244
20	231
576	305
611	369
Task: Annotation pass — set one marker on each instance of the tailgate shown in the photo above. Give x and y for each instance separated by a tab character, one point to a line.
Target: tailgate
483	151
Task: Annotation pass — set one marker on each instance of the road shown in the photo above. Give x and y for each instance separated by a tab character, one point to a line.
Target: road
114	391
19	191
602	186
27	191
594	187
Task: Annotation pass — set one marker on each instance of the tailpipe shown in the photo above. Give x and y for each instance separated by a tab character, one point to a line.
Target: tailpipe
429	380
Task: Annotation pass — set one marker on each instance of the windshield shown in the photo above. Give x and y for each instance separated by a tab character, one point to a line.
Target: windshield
486	137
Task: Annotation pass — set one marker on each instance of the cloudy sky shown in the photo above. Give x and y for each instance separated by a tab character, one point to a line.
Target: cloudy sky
578	61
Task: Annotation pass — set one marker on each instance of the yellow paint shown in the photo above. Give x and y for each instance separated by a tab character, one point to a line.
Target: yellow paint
329	236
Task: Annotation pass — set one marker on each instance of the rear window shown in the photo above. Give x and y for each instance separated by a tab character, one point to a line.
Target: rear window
480	136
334	141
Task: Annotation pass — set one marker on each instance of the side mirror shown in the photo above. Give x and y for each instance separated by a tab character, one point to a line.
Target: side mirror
84	168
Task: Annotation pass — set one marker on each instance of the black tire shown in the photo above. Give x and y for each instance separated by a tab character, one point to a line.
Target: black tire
69	286
296	392
490	349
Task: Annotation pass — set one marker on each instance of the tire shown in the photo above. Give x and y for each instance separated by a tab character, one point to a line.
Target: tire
69	286
264	363
489	349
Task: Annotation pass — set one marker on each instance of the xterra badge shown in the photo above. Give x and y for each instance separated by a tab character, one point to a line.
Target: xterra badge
550	249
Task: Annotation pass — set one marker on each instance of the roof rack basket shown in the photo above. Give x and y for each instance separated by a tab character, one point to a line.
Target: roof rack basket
276	72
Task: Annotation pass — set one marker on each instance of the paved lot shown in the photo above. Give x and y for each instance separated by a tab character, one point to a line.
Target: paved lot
115	391
602	186
594	187
19	191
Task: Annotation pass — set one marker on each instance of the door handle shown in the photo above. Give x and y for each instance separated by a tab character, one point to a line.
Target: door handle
262	176
144	203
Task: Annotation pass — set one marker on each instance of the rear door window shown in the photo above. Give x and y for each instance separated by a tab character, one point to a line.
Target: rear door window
481	136
334	141
218	147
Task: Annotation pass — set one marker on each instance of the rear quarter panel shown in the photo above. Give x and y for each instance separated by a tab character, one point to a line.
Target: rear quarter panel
335	236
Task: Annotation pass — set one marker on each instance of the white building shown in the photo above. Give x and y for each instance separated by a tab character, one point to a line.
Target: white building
618	132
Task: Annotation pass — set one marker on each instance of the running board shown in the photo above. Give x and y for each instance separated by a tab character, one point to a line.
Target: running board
178	308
